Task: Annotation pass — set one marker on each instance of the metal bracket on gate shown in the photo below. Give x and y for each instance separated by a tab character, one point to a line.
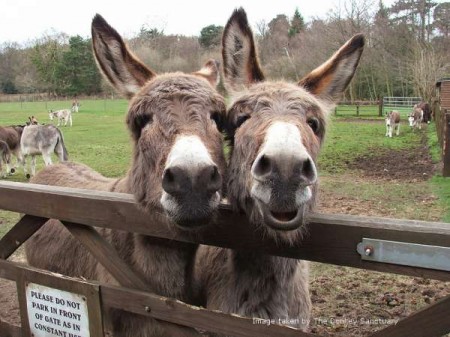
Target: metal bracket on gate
405	253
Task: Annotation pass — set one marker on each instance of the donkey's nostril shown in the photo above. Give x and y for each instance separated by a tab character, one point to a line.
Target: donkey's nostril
169	176
213	179
262	167
171	180
308	171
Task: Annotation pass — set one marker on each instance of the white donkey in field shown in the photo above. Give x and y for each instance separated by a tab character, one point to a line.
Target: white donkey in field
392	123
63	116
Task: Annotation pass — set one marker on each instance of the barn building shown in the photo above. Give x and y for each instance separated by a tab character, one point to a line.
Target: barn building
442	117
443	93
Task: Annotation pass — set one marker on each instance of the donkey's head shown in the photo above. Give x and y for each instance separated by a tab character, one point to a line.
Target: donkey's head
32	121
178	159
277	128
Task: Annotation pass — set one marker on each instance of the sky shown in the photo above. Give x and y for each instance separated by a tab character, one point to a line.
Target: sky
25	20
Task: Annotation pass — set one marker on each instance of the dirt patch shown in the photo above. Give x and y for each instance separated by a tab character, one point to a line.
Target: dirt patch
412	164
363	302
9	304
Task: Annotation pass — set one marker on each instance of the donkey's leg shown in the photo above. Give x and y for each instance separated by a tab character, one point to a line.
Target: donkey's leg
59	151
8	167
387	131
70	120
398	129
3	174
33	165
24	166
47	156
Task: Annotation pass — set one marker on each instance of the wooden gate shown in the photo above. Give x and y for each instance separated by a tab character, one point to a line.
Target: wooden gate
333	239
403	104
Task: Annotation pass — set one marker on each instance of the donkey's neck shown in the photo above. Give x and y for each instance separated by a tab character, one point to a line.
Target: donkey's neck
255	265
261	285
165	264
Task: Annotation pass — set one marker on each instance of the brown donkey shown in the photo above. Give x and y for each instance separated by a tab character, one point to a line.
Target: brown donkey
177	169
11	136
277	130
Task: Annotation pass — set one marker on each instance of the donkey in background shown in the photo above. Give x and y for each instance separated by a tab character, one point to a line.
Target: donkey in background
276	129
175	177
41	140
32	121
5	158
75	106
427	113
392	121
415	119
63	116
11	135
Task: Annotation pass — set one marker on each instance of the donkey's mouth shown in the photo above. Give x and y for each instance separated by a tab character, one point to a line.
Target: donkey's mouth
283	221
284	216
288	220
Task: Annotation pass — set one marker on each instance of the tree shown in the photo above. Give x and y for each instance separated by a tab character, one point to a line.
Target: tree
8	57
210	36
150	33
441	17
77	72
416	14
8	87
46	57
297	24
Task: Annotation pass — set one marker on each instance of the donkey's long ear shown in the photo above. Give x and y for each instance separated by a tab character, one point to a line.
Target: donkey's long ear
240	62
210	71
123	70
331	78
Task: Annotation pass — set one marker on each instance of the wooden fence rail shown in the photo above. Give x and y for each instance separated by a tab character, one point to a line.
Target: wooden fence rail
330	239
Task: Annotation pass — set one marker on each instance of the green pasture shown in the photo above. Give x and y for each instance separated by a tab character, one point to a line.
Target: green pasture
347	140
100	139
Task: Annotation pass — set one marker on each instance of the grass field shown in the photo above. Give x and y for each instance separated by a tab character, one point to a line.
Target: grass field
98	138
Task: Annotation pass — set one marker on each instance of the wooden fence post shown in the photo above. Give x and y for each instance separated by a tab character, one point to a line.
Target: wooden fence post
446	145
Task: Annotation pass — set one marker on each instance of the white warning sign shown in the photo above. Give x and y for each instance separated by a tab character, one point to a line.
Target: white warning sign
54	312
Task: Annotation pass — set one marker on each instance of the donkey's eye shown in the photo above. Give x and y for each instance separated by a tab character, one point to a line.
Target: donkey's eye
241	120
314	124
217	118
142	120
138	123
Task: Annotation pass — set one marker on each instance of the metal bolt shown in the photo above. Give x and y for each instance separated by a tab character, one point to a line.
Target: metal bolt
148	309
368	250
